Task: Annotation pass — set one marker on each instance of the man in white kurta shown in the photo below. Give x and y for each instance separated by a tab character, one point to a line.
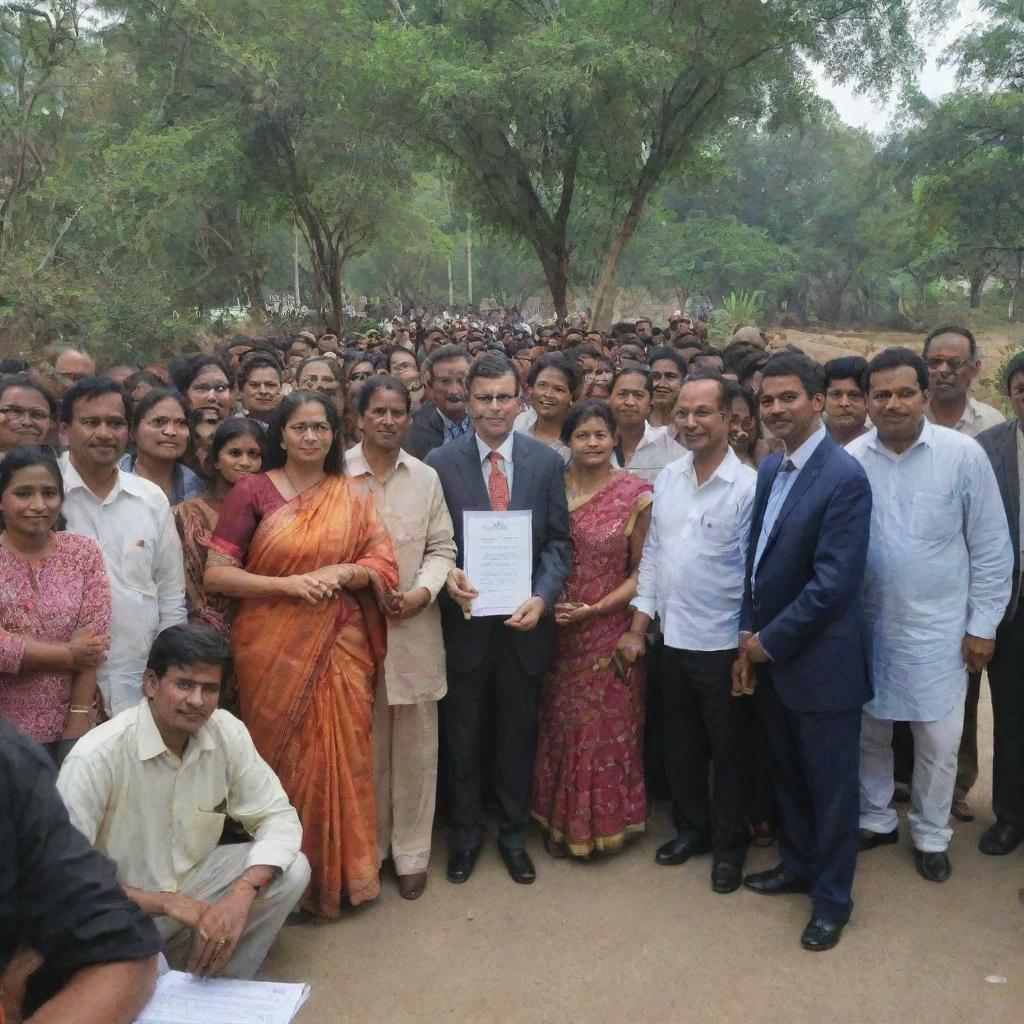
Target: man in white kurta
936	588
408	497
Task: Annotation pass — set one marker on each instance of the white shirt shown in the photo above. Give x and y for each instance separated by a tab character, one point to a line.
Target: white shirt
654	452
525	423
692	567
939	566
136	533
157	816
505	451
977	417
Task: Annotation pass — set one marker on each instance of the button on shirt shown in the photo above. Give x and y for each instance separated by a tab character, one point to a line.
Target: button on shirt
505	451
135	531
157	815
411	504
939	566
451	428
691	570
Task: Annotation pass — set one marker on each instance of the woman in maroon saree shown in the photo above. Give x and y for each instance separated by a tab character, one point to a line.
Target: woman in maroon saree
588	781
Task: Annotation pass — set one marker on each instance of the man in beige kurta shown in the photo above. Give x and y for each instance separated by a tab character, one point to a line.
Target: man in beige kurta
409	499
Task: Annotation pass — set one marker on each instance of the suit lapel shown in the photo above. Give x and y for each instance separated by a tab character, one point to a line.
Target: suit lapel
1011	475
472	474
804	480
520	475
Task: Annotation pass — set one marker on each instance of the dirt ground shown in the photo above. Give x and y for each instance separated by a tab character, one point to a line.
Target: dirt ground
622	939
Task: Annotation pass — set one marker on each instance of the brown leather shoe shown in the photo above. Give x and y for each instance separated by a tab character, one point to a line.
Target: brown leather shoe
412	886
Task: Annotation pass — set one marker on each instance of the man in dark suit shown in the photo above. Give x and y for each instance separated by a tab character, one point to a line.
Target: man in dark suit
442	417
494	661
802	632
1004	445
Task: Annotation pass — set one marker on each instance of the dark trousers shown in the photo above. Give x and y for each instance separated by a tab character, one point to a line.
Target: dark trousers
1006	683
704	729
815	757
500	687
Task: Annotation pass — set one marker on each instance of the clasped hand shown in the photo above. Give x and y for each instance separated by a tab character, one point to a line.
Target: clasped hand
524	618
322	584
217	928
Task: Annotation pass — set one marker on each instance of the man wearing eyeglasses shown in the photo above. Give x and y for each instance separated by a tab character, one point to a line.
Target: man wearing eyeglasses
954	362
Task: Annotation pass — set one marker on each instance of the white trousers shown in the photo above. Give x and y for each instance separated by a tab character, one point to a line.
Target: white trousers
931	791
405	780
209	880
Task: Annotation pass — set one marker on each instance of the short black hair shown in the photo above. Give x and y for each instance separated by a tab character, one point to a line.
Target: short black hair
664	352
89	388
588	409
237	426
708	350
845	368
569	368
723	384
952	329
334	464
640	369
443	353
379	382
17	380
143	377
493	366
892	359
185	645
258	359
795	364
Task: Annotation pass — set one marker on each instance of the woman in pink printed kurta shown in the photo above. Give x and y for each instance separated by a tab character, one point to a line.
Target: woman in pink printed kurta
47	596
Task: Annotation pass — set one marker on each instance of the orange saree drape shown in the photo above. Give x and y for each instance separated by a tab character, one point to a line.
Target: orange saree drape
306	676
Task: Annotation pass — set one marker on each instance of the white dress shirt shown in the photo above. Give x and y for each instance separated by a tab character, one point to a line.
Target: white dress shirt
692	567
156	815
410	502
977	417
657	448
505	451
135	531
525	423
939	566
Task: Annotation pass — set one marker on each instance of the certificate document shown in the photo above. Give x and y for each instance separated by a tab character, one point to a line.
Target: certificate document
499	559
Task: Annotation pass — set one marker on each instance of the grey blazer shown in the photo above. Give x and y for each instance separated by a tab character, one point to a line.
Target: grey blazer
1000	444
538	484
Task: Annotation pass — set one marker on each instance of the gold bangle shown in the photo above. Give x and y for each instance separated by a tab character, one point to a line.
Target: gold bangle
78	709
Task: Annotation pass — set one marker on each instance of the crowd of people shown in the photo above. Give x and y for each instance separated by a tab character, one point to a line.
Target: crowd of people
235	613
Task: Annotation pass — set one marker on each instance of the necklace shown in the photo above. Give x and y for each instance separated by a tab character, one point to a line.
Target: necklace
291	482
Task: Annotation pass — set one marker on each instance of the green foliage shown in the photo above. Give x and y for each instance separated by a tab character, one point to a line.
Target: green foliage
737	310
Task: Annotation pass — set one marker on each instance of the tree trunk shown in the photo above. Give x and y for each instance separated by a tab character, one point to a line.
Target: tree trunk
977	282
604	298
557	265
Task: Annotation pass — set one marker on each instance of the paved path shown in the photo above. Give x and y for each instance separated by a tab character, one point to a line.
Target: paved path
623	940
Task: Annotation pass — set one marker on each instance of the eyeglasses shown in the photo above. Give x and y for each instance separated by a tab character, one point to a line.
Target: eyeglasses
362	375
937	362
206	389
298	429
15	412
312	380
494	399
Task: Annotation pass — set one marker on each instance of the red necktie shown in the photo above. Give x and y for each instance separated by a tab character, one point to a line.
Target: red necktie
497	484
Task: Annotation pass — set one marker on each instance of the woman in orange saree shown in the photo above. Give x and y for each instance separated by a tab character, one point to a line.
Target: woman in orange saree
310	561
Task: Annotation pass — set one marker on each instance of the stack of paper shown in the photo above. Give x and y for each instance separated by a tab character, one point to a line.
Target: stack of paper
182	999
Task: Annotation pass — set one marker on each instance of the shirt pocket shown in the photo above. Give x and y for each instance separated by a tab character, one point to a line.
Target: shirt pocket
206	828
137	564
934	517
718	532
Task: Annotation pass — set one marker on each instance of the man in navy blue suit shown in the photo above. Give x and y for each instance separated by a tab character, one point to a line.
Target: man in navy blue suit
803	640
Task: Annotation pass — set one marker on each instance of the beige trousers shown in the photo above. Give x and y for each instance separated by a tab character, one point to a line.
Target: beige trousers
405	780
209	880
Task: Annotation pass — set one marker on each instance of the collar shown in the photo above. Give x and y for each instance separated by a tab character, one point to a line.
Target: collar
504	449
725	470
356	464
651	435
149	742
451	423
926	437
128	482
800	457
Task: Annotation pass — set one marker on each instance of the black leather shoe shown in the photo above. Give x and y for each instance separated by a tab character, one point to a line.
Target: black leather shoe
519	865
868	840
778	882
1000	839
725	877
933	866
681	849
821	934
461	864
